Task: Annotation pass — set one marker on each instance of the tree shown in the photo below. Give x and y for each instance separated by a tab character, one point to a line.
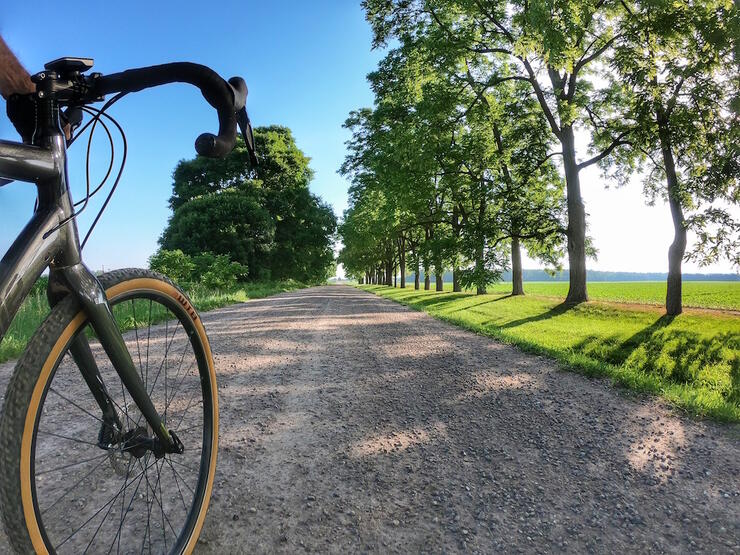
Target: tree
231	222
264	217
463	172
551	45
175	264
675	62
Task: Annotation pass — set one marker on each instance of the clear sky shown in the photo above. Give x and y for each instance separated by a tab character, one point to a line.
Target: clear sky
305	65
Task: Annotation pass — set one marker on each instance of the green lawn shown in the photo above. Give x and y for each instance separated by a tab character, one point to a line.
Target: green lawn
35	308
691	360
697	294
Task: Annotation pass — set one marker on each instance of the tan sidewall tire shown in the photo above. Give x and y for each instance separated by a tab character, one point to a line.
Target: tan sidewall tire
148	282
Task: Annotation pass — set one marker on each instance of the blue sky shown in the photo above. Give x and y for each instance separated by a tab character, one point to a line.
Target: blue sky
305	64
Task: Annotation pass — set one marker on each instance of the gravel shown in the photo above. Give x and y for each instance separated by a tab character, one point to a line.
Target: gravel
351	423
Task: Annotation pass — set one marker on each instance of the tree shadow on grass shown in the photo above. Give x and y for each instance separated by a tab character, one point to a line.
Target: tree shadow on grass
425	300
626	348
485	301
675	355
562	308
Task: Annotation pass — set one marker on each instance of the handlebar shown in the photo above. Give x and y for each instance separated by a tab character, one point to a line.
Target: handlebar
228	98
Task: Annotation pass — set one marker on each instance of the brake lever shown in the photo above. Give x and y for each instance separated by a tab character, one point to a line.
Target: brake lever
246	128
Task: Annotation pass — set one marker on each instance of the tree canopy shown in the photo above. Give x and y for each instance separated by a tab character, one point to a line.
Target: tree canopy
470	153
265	218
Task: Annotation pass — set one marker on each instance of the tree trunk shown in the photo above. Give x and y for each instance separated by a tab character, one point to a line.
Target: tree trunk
456	233
427	281
673	300
395	276
402	258
389	272
577	292
479	263
416	276
517	287
480	258
439	275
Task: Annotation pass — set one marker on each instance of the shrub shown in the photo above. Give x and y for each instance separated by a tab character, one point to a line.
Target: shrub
213	271
222	273
175	264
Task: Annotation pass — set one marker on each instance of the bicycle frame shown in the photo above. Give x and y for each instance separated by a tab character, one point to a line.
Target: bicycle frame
47	241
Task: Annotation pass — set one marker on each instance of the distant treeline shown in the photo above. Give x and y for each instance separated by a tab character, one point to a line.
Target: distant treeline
595	275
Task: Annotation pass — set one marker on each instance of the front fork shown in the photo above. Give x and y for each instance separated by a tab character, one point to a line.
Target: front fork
80	281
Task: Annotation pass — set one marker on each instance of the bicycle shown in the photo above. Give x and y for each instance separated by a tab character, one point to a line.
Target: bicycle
109	438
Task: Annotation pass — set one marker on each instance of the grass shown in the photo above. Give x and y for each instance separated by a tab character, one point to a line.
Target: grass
35	309
697	294
723	295
691	360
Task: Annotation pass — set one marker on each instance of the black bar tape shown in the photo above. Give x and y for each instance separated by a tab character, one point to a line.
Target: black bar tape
217	92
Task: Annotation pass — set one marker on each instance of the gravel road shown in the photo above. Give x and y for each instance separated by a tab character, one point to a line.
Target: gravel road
350	423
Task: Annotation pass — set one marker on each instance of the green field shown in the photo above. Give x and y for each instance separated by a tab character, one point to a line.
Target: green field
35	309
691	360
723	295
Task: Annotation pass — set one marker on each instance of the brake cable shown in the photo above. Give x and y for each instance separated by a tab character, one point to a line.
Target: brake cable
115	183
97	115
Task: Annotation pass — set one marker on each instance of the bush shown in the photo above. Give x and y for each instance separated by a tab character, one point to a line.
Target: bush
214	271
175	264
222	273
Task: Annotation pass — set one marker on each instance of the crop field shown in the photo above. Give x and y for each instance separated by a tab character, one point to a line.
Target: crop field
692	360
723	295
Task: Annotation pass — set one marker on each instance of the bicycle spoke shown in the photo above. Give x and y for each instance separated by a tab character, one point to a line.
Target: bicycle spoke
110	501
182	479
179	373
161	507
168	344
73	486
136	332
147	530
177	483
148	336
190	404
164	416
51	389
70	465
177	388
124	513
68	438
92	540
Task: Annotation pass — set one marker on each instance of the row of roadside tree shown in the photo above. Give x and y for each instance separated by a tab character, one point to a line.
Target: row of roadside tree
470	152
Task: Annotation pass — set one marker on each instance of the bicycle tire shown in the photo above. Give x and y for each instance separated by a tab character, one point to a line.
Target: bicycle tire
27	397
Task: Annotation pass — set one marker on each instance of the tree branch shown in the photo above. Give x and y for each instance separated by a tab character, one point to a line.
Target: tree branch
541	98
585	61
606	152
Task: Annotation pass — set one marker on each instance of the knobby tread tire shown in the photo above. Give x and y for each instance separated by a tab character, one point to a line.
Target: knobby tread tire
18	398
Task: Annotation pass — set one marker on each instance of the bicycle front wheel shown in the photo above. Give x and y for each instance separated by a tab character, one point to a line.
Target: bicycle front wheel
66	486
